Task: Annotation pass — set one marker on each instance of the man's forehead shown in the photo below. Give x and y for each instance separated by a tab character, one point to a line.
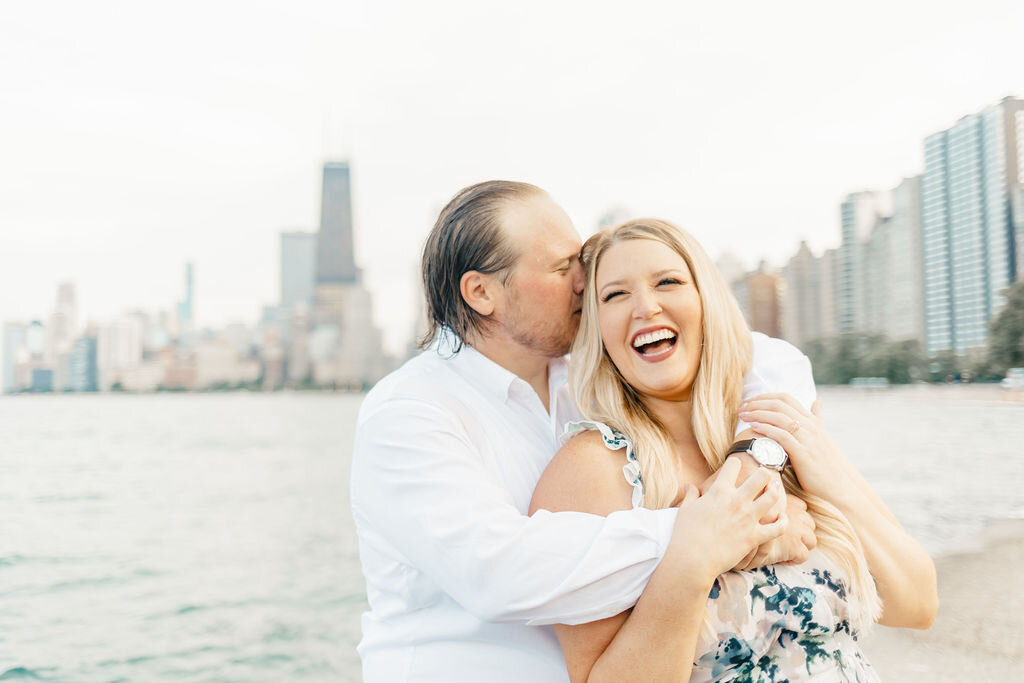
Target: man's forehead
550	246
540	227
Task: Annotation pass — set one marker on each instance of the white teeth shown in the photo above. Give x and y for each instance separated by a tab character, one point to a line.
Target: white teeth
652	337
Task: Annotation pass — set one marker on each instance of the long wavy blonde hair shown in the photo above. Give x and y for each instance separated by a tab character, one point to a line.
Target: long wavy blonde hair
604	395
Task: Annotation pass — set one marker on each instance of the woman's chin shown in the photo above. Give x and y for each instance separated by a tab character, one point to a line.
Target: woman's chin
665	389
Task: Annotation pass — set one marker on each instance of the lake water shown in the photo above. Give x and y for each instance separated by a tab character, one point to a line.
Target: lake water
208	537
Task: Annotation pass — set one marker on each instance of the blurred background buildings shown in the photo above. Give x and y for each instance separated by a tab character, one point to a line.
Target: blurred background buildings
924	265
320	334
919	274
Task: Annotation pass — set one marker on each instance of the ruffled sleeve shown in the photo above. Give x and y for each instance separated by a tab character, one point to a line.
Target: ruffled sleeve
614	440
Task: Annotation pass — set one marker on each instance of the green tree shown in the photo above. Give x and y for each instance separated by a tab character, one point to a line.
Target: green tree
1006	332
820	355
944	364
899	362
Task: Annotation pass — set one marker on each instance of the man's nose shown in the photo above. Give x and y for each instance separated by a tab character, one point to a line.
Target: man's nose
578	279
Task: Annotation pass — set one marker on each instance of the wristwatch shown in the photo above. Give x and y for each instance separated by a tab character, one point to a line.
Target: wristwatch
767	452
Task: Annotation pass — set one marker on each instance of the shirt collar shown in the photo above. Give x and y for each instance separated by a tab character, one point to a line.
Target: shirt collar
497	382
483	373
558	372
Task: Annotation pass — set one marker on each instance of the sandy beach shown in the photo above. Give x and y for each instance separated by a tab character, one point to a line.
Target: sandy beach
979	632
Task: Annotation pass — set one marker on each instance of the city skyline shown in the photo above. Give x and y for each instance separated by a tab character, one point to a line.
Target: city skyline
319	334
126	156
880	280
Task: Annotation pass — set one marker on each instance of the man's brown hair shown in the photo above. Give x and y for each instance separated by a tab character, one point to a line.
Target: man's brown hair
467	236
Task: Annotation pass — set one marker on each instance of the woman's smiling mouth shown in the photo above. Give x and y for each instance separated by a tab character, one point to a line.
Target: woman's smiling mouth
654	344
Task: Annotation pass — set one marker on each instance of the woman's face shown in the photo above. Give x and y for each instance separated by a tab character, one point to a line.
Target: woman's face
650	313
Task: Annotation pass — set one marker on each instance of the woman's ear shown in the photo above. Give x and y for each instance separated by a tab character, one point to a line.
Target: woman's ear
477	290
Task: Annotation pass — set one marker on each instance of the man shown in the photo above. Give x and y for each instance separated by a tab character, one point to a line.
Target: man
450	447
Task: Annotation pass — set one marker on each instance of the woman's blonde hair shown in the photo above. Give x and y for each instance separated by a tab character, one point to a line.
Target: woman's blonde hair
605	396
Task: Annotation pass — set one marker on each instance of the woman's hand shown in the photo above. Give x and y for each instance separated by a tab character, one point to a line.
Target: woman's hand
792	547
817	461
718	529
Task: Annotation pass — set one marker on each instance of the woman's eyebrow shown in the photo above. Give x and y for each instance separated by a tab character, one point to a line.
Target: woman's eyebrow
666	272
613	283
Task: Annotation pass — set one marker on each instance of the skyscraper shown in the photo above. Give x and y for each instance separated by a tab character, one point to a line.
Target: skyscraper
801	304
892	286
758	297
64	322
13	344
84	370
859	214
186	307
335	253
827	274
971	173
298	268
118	350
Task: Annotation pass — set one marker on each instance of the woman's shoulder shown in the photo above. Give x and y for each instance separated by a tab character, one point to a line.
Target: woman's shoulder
586	476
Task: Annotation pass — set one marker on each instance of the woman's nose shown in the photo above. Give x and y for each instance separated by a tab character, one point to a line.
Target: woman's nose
646	305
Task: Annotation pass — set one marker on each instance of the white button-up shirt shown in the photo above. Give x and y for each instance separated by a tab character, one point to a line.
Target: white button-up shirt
447	454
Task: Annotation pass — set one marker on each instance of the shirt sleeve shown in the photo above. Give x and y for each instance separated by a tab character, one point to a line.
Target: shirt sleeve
418	482
778	367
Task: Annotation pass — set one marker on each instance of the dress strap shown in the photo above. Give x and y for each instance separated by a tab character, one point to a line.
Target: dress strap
614	440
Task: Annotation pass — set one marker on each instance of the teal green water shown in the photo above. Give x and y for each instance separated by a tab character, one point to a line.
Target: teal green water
172	537
209	538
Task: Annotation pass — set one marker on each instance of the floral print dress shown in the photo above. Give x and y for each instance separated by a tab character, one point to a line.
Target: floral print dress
773	624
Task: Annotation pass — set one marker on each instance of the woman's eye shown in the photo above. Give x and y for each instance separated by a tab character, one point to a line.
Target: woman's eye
611	295
669	281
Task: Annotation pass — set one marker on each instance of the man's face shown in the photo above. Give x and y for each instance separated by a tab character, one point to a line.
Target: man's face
541	307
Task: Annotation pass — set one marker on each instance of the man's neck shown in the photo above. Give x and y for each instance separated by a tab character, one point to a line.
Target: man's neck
530	367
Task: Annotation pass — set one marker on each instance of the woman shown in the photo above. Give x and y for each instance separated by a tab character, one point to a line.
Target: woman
657	369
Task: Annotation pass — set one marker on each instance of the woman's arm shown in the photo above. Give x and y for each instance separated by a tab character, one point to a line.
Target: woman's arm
657	639
904	574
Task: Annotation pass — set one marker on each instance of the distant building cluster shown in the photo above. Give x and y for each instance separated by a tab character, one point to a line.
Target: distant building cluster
320	335
925	261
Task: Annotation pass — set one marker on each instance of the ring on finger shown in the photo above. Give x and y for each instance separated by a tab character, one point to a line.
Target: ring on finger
794	426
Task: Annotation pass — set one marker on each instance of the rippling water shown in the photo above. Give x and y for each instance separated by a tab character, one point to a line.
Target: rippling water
193	537
208	537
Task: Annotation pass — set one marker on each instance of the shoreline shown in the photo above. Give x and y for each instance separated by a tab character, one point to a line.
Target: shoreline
979	631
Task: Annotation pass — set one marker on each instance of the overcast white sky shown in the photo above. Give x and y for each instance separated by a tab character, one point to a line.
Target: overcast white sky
134	138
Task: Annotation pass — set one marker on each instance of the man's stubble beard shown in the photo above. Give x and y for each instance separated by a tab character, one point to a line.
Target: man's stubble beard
550	342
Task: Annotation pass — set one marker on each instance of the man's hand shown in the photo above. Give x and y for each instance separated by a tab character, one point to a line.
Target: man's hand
793	546
796	543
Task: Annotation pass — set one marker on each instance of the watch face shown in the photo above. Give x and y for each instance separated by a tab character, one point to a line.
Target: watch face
768	452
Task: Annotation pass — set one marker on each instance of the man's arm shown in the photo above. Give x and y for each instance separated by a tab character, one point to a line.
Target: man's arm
418	482
778	366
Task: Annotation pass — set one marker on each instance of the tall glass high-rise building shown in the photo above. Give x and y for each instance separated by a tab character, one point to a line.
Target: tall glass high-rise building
186	307
858	216
298	268
84	370
335	253
892	268
972	171
809	297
